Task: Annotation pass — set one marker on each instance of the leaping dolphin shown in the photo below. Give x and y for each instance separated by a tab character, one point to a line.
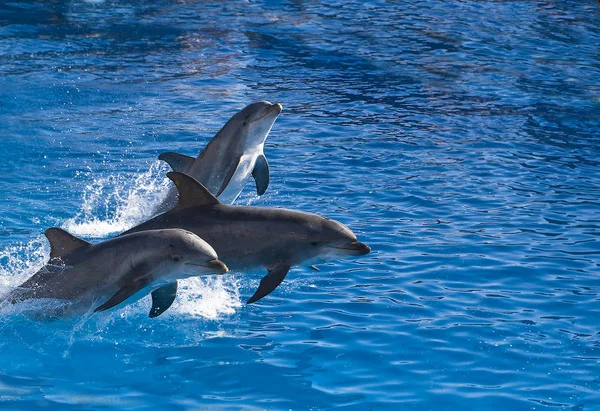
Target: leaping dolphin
116	271
252	237
233	154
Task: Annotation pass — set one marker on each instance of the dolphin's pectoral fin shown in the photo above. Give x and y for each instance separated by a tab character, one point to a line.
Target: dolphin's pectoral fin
63	243
124	293
270	282
178	162
261	174
162	298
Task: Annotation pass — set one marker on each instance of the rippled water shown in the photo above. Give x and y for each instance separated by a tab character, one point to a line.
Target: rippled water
458	138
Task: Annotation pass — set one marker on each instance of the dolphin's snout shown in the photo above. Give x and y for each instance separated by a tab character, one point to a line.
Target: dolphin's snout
270	111
354	248
218	265
360	248
215	266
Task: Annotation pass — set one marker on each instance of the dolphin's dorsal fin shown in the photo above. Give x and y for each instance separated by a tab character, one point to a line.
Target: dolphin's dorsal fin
178	162
63	243
191	192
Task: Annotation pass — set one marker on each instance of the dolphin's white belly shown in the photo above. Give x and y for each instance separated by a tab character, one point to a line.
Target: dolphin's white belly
239	178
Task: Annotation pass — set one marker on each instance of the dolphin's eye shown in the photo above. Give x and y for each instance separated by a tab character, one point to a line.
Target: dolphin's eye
175	258
244	123
315	243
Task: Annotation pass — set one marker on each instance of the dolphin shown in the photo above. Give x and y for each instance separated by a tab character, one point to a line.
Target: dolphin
233	154
254	237
114	271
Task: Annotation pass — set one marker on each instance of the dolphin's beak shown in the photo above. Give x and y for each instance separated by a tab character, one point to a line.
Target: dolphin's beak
218	265
356	248
215	265
276	107
360	248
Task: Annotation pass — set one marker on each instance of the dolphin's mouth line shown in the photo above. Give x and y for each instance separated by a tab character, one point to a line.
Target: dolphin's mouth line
356	246
213	265
274	107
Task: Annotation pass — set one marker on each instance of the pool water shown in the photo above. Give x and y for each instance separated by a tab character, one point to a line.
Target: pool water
459	139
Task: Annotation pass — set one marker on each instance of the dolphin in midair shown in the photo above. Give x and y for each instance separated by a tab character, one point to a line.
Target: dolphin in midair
233	154
119	270
253	237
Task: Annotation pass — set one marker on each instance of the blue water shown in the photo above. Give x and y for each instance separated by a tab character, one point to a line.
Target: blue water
458	138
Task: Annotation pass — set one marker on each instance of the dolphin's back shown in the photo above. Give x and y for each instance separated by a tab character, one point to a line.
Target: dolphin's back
240	235
86	269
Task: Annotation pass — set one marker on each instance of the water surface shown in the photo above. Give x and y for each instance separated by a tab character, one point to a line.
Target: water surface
459	139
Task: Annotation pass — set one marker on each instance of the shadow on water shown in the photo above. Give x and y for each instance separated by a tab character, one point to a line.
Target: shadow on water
49	15
105	38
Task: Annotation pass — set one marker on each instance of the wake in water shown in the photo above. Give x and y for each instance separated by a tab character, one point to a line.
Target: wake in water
111	205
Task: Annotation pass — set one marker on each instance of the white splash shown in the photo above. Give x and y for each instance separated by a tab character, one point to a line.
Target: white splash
19	261
115	203
208	296
110	205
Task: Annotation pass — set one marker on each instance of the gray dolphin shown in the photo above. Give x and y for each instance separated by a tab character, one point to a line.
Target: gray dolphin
252	237
114	271
233	154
